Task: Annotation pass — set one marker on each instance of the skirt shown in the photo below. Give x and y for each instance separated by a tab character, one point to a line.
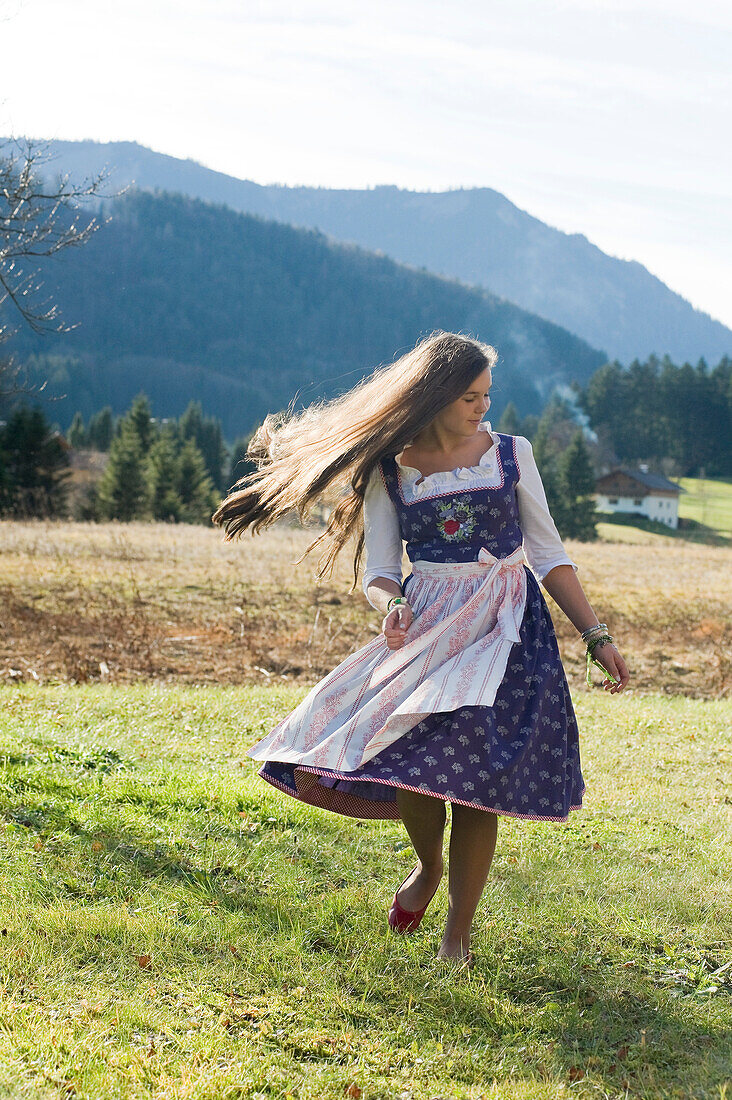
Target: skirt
473	709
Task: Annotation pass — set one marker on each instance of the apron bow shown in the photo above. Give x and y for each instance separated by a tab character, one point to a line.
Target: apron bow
399	658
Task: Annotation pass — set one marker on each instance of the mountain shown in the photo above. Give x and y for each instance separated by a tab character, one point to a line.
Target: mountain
475	235
185	299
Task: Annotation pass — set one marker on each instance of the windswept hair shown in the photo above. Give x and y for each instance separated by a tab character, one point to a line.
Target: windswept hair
338	443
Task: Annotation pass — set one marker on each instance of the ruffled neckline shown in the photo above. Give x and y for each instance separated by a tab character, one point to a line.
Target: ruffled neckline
442	477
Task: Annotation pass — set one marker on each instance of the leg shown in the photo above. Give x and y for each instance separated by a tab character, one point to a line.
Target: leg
424	819
472	844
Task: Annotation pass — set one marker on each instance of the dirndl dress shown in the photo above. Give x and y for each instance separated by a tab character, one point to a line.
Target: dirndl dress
474	708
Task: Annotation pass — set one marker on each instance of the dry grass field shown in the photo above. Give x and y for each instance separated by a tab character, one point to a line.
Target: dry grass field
132	602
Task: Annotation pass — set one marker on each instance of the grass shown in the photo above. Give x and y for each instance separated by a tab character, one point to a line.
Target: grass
126	602
173	927
708	502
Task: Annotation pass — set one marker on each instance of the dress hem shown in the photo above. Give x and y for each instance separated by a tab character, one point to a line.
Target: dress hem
405	787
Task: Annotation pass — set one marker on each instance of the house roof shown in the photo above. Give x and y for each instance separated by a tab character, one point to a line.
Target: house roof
647	480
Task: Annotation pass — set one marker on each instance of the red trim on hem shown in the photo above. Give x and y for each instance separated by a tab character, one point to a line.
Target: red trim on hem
349	777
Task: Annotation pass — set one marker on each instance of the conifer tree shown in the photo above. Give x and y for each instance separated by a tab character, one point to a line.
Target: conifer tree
35	466
577	479
547	451
555	495
122	492
163	478
196	493
544	455
510	424
4	479
529	425
101	429
205	431
77	434
140	419
240	465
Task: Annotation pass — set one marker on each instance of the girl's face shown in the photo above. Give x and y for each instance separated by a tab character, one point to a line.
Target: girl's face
464	415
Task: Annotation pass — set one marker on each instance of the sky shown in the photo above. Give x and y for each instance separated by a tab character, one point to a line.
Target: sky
609	118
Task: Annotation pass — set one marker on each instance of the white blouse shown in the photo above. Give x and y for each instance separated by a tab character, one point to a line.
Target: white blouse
383	544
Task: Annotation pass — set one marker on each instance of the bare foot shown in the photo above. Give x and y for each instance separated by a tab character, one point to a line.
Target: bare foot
419	887
460	962
457	950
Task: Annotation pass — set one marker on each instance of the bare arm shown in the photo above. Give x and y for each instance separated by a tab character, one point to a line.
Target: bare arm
396	622
565	589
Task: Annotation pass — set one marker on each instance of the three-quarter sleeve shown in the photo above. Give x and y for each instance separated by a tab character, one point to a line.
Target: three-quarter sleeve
382	537
542	544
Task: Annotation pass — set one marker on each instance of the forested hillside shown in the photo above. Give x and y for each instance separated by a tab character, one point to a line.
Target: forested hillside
187	300
473	234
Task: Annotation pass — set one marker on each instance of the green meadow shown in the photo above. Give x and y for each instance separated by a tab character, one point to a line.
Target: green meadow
173	927
708	502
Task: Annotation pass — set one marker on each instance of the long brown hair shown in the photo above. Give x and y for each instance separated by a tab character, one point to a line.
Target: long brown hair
339	442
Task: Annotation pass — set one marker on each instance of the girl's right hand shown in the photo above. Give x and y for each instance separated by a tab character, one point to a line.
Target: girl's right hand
396	624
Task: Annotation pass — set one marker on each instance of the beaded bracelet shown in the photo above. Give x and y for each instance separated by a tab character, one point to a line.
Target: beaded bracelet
394	602
601	628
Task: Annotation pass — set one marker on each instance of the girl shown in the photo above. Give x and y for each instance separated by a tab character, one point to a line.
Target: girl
462	698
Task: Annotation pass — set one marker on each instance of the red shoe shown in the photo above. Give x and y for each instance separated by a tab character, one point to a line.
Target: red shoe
401	920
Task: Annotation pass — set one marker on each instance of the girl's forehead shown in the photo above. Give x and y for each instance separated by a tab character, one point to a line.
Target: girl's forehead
481	383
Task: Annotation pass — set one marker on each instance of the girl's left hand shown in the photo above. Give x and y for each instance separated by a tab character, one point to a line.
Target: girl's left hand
608	656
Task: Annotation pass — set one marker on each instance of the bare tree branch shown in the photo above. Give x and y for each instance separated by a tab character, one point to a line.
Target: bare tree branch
39	216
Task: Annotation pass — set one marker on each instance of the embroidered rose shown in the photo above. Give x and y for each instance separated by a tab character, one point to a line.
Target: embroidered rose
456	520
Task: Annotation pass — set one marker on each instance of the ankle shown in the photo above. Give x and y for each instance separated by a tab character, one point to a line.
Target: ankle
456	937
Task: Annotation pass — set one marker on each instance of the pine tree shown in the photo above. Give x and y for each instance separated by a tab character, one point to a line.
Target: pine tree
101	429
577	479
529	425
544	454
510	424
122	492
552	441
35	466
555	494
240	465
140	419
5	482
163	478
198	498
206	433
77	434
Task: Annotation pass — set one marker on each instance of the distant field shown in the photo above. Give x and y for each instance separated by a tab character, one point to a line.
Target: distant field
129	602
174	928
708	502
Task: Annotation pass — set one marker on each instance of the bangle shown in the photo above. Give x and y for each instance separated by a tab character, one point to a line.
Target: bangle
601	628
392	603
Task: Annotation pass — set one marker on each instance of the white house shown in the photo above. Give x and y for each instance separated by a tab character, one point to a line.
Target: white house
650	495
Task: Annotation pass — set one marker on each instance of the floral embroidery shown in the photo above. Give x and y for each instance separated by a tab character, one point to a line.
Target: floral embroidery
456	520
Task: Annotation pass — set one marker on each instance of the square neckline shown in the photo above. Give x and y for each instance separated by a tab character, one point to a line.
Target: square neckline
484	426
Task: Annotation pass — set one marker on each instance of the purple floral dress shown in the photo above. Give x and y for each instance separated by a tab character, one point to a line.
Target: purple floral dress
474	708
